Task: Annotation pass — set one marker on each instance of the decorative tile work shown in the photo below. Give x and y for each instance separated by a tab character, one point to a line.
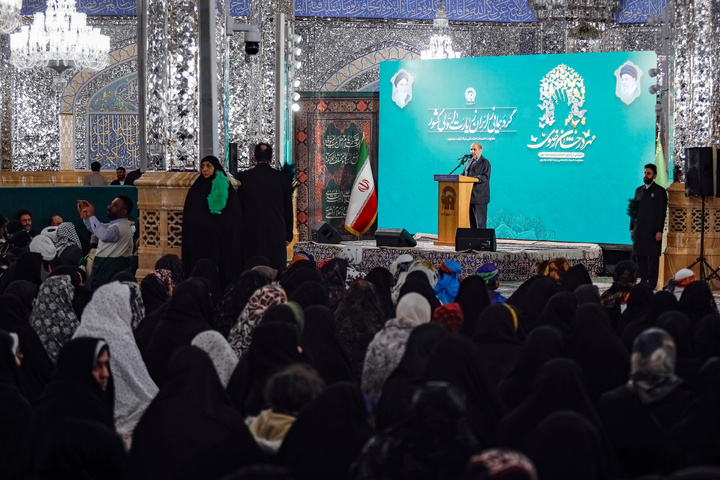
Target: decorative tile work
66	142
310	122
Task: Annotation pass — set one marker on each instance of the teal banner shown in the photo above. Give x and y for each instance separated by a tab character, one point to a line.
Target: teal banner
566	135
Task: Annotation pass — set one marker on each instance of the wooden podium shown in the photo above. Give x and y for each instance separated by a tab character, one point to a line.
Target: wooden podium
454	193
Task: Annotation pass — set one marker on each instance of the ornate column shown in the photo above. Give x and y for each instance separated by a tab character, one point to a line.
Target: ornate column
696	33
253	100
182	51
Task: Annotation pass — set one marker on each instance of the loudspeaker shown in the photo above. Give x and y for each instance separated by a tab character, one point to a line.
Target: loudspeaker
326	234
701	172
475	239
394	237
233	159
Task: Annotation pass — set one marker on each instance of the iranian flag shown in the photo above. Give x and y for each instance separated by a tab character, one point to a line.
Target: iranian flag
362	211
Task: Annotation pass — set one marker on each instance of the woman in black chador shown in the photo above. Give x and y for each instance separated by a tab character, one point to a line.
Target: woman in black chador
211	222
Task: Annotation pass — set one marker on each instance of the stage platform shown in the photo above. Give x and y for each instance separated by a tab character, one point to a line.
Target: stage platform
514	258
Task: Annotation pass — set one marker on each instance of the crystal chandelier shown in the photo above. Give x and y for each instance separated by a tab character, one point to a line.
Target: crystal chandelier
440	42
9	15
59	39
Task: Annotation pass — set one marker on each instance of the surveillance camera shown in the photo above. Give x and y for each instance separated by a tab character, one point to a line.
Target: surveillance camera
252	42
252	48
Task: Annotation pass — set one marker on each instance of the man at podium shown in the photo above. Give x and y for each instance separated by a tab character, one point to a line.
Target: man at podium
478	167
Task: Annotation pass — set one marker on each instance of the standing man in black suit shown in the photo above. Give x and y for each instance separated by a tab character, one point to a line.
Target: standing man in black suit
266	200
478	167
647	228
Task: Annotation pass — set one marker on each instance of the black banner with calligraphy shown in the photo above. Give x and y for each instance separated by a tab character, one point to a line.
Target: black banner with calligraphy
328	133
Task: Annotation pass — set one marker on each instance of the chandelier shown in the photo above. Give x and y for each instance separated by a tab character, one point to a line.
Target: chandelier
59	39
9	15
440	42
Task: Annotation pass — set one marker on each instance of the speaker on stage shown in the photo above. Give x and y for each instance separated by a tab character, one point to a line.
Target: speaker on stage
475	239
394	237
326	234
233	159
701	172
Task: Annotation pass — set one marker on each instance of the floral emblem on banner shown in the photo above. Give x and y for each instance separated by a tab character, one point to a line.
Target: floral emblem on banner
562	85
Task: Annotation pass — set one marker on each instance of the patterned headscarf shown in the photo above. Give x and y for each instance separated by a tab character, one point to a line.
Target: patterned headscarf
53	316
109	315
219	351
450	315
264	298
65	237
652	365
502	463
166	277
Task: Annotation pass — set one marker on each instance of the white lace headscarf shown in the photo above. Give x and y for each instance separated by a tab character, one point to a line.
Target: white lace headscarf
219	351
109	316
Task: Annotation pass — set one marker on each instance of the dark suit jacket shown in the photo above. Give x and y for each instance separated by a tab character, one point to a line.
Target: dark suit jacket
266	201
117	182
650	219
479	169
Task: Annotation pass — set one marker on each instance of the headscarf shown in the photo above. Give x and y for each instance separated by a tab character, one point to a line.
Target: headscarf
25	291
36	368
697	301
587	294
498	339
44	246
208	270
328	434
311	293
449	315
448	282
189	312
560	312
660	303
191	430
241	334
399	388
531	298
219	351
66	236
218	195
322	346
173	263
53	316
652	373
155	287
358	317
74	392
382	280
434	441
707	337
542	345
388	345
109	316
456	360
558	385
554	269
235	298
585	454
473	298
575	277
27	267
598	351
334	274
417	282
15	410
502	464
273	347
